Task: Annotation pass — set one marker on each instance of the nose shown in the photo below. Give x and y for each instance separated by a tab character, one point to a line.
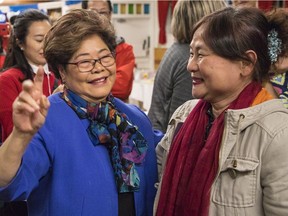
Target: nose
97	68
192	65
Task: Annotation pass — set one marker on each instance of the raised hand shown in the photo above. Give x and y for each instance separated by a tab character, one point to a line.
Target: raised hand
29	112
31	106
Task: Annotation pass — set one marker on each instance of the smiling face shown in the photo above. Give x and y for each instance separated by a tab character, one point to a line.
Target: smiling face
215	79
33	44
92	86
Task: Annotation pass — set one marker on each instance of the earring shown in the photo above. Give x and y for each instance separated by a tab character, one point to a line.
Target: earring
21	48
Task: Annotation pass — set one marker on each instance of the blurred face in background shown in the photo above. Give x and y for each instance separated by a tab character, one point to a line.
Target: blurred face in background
101	7
33	44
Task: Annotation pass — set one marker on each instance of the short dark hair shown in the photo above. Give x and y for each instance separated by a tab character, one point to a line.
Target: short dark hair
230	32
12	19
66	35
85	4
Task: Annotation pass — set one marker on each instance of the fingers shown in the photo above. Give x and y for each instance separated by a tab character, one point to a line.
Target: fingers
29	96
28	115
30	107
38	79
30	99
44	105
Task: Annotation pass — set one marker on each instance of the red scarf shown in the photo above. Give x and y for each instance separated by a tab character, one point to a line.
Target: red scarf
192	163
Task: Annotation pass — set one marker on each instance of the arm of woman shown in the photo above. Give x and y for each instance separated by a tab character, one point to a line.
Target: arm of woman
29	111
274	174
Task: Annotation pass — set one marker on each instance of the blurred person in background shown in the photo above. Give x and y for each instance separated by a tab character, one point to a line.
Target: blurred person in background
173	83
278	50
125	59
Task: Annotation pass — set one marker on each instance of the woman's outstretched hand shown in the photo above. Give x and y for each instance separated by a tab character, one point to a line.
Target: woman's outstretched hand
31	106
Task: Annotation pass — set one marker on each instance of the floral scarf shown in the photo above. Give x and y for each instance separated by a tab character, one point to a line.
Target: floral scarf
111	128
192	161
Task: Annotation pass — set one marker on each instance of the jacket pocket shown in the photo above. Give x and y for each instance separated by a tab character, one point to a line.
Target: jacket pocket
236	184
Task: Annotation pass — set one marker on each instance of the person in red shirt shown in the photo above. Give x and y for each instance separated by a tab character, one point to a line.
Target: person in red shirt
125	59
25	54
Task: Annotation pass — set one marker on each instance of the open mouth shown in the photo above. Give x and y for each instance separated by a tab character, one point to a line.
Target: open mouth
98	81
196	81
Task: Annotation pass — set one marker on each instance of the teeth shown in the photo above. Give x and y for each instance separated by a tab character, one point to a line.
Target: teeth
101	80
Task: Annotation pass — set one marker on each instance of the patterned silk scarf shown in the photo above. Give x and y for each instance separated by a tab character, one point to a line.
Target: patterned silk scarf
192	162
108	127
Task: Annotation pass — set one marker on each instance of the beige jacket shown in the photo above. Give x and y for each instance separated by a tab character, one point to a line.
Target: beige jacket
252	178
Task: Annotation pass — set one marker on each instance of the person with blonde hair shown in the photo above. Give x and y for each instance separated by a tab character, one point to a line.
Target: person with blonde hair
173	84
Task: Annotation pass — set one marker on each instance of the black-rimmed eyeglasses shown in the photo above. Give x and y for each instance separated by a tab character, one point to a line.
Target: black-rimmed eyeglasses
87	65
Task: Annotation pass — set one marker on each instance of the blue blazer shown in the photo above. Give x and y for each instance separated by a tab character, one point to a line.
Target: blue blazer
63	173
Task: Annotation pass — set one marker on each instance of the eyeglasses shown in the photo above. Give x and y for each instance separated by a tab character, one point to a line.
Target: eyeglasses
105	13
88	65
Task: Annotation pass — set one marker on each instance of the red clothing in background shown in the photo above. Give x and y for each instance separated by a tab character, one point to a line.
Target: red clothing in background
266	5
125	63
2	59
163	7
10	88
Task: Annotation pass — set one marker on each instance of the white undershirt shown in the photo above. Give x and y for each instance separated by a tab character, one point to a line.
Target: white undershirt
46	71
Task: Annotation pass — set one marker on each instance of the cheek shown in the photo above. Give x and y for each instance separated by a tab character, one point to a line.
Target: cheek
113	69
74	79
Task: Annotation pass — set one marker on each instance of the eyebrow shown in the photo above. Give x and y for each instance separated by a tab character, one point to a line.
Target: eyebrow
84	54
198	47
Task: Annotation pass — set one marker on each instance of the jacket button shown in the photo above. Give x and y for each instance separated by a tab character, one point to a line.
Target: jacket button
232	173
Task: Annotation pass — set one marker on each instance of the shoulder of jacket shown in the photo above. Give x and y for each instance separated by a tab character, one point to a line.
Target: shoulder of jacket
183	111
12	73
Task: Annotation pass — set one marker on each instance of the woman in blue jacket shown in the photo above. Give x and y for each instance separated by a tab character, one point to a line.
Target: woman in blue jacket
93	154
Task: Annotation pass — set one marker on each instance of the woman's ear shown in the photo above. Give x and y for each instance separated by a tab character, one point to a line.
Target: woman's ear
247	67
62	73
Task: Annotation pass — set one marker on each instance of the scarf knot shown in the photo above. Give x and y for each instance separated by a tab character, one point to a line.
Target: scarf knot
111	128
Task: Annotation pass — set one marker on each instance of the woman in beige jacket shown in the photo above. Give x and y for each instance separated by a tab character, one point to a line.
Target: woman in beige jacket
227	153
